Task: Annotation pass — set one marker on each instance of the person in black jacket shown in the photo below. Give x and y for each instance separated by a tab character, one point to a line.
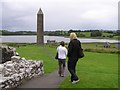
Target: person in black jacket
73	56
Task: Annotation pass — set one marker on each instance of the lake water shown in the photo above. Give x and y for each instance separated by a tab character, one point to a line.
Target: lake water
32	39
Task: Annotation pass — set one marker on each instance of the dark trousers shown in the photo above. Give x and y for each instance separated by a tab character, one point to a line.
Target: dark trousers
72	68
61	63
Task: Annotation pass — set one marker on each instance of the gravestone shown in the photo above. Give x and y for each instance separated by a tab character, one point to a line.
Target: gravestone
106	45
40	27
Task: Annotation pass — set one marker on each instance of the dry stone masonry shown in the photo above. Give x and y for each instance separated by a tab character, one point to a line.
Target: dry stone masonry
17	70
40	27
7	53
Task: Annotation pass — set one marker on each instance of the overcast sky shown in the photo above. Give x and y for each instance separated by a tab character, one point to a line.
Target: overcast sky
17	15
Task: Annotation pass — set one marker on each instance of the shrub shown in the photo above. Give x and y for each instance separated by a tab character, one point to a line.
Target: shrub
102	50
96	33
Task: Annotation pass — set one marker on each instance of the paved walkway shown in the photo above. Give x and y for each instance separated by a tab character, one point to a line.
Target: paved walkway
46	81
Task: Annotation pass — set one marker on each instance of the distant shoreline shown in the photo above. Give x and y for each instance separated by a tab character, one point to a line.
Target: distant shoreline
64	36
91	34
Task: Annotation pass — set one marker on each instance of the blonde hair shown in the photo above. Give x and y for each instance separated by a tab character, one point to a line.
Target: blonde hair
73	36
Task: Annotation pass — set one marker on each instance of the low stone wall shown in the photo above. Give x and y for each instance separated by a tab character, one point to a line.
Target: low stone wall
6	53
14	72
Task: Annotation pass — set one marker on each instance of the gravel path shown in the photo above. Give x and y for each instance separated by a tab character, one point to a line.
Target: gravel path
46	81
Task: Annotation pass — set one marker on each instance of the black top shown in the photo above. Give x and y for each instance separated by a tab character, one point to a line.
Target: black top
73	48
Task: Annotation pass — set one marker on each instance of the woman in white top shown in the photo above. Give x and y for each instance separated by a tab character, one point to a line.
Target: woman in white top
62	53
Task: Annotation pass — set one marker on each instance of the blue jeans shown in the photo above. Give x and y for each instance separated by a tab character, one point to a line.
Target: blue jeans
72	68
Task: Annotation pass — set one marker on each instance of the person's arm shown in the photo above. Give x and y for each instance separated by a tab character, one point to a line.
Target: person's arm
65	51
70	46
57	49
80	44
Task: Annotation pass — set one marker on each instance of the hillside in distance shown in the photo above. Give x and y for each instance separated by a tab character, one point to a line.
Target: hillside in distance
101	34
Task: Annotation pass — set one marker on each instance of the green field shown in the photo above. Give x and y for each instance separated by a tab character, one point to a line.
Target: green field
104	35
95	70
99	47
44	53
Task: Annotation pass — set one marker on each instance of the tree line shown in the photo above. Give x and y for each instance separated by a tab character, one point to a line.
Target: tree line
6	32
80	33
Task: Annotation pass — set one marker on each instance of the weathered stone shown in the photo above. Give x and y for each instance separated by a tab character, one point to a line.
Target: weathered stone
7	53
17	70
40	27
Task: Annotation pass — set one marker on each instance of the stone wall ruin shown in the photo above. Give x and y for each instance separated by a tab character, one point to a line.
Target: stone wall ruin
16	70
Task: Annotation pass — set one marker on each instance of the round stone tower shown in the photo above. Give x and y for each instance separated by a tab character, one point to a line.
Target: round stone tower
40	27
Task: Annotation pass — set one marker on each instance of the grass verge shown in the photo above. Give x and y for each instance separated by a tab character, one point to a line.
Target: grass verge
95	70
44	53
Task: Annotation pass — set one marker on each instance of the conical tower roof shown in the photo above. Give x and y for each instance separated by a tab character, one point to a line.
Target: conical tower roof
40	11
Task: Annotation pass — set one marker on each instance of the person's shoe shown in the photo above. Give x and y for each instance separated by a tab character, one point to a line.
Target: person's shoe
75	81
62	75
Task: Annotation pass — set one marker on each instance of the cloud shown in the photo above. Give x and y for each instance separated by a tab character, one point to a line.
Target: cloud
0	15
60	14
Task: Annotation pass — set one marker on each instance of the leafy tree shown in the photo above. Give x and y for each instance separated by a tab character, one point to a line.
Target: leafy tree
96	33
118	32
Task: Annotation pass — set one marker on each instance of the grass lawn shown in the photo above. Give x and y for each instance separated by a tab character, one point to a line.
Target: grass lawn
95	70
44	53
105	35
99	47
